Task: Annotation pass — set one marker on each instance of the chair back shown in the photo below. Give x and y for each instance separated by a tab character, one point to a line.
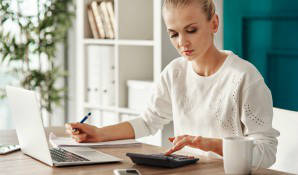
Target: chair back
286	122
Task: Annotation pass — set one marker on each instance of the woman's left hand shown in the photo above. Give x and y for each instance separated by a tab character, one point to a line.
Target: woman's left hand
182	141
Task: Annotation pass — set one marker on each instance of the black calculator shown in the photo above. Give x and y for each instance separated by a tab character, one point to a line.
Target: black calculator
170	161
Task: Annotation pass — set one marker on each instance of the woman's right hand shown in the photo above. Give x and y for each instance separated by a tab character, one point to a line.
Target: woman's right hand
81	132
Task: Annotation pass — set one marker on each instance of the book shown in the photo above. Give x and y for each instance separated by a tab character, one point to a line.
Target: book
107	21
92	22
104	20
98	19
67	141
110	8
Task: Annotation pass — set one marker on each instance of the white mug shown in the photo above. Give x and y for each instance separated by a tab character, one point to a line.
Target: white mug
237	155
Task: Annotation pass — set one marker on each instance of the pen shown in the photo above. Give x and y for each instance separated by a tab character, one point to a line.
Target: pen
83	120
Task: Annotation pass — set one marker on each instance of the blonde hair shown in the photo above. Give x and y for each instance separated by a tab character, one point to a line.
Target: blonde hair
208	6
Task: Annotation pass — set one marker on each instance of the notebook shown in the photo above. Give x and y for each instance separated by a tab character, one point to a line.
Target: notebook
67	141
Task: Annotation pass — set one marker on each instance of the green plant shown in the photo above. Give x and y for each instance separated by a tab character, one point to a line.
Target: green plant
31	50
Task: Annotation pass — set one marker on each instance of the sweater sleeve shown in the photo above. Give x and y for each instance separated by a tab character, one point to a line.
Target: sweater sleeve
256	116
158	112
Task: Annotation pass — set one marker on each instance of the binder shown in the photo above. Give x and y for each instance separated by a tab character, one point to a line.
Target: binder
108	75
94	81
101	75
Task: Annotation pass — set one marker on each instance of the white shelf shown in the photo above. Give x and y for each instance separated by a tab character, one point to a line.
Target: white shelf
99	41
136	42
119	42
112	109
140	51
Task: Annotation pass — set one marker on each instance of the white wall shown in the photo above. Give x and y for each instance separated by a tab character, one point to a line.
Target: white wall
58	118
219	35
71	73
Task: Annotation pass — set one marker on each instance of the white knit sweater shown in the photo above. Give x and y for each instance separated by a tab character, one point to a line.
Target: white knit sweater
234	101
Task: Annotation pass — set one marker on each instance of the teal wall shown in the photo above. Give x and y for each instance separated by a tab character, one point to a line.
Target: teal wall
265	32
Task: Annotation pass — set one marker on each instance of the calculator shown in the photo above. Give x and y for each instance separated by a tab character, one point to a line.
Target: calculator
4	149
160	160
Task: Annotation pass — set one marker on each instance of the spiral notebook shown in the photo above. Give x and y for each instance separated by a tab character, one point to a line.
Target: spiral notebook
67	141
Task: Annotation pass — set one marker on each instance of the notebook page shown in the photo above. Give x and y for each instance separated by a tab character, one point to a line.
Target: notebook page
67	141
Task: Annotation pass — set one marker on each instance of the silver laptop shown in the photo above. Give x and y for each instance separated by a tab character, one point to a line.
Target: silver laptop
32	138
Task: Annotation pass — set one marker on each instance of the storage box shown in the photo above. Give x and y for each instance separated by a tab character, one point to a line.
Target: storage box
139	94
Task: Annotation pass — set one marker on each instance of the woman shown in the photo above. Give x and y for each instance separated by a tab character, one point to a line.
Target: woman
207	93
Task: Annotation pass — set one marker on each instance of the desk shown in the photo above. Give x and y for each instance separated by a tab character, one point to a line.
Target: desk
18	163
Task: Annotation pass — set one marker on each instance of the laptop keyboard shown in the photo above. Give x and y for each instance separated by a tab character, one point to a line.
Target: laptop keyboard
61	155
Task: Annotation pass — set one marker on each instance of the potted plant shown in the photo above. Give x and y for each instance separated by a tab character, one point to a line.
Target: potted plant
31	51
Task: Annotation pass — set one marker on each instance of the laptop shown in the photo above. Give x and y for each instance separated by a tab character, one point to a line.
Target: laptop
32	138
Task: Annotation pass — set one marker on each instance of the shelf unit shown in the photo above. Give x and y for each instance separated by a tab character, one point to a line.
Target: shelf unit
118	42
141	50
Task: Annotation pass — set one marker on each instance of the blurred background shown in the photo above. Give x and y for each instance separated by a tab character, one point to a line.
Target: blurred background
84	55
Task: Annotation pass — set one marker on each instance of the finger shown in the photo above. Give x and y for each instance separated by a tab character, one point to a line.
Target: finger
72	132
171	139
74	138
68	129
80	138
75	131
174	149
177	139
68	132
180	144
67	125
170	151
78	126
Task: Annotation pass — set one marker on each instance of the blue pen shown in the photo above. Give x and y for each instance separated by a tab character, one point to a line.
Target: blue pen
85	118
82	121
